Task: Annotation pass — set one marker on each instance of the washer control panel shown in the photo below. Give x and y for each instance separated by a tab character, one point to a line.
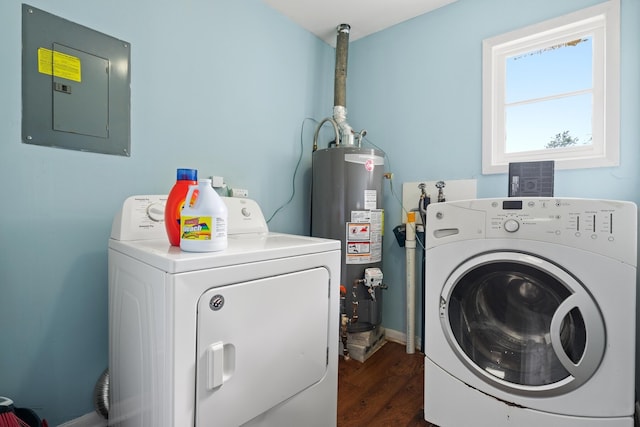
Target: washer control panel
603	226
558	216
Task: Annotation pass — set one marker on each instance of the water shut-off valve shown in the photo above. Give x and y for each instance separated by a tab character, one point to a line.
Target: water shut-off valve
373	280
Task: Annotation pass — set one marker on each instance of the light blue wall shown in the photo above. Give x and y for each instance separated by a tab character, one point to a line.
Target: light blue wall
417	89
218	85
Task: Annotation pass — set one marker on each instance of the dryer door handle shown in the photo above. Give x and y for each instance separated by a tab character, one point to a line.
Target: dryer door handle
220	364
595	336
215	365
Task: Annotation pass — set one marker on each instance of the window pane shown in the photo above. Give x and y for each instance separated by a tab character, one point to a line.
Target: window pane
570	67
561	68
534	126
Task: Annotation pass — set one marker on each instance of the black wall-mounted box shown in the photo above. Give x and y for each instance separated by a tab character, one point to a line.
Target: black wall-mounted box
531	179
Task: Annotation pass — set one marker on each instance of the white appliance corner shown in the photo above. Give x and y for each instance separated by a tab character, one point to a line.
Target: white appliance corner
91	419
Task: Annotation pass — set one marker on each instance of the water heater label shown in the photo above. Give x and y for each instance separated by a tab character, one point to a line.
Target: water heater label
370	199
364	237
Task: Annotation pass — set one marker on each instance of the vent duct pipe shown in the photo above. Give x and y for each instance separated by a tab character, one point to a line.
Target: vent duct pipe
344	133
342	53
340	86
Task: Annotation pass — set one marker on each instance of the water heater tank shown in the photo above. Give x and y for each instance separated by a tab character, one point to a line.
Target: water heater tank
346	205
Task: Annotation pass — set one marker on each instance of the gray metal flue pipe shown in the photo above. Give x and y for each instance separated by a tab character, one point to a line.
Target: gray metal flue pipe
340	87
342	53
344	133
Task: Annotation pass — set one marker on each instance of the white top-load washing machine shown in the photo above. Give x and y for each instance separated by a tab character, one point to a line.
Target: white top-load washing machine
245	336
530	313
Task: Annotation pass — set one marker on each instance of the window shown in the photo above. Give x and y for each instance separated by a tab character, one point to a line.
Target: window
551	92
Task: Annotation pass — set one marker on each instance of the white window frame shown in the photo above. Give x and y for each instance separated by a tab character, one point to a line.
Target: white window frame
602	21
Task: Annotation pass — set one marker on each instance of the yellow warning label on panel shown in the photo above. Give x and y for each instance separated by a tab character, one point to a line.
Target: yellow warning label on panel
59	64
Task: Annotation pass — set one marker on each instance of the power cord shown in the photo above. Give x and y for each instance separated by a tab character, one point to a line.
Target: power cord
295	171
390	179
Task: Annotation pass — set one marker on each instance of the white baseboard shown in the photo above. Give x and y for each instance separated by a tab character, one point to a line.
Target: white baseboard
89	420
395	336
400	337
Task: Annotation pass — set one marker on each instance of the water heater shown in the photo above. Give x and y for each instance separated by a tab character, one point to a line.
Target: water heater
346	205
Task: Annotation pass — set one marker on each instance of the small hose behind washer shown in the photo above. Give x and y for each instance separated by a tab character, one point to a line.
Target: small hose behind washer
101	395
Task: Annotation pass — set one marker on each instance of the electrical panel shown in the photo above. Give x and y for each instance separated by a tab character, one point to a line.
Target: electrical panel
75	86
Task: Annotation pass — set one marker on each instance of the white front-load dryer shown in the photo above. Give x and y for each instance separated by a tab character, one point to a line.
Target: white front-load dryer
530	313
246	336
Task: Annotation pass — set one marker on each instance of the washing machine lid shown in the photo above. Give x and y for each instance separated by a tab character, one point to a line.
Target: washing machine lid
138	231
609	284
522	323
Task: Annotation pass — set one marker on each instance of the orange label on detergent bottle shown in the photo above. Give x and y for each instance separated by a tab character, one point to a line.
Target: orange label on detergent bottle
194	197
196	227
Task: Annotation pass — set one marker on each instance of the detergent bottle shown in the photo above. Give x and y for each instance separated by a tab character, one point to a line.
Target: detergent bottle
175	202
203	224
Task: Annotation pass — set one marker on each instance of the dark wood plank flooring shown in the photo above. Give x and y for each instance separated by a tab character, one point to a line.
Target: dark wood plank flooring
385	390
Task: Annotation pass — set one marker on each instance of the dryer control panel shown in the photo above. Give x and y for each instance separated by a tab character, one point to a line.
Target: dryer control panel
602	226
142	218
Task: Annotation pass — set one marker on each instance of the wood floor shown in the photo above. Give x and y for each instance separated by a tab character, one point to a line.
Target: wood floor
386	390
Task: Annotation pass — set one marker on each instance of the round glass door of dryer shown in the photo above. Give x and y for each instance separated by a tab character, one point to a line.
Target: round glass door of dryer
522	323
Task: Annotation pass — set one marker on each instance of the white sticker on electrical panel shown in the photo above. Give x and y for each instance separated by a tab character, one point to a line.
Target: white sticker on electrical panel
370	199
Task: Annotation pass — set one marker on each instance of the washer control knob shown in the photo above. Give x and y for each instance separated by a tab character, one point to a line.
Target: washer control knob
511	225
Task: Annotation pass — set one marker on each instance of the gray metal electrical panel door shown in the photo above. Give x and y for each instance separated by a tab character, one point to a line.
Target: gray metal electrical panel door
75	86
